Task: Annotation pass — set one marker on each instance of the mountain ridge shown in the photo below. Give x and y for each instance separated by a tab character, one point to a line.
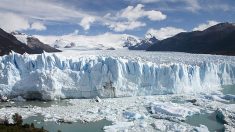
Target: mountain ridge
218	39
9	42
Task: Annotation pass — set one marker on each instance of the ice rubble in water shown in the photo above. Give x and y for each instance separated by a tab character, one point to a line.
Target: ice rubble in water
172	109
114	74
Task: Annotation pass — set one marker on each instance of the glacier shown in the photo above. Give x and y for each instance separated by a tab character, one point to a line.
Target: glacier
87	74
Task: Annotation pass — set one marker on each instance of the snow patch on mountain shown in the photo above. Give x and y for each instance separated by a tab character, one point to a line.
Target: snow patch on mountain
102	41
22	37
143	44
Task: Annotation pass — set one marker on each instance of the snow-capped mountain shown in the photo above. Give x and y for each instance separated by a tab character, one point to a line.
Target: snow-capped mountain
33	42
22	37
99	42
9	43
130	41
145	43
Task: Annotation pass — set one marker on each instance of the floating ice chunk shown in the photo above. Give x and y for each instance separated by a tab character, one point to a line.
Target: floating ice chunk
97	99
132	116
172	109
118	126
3	99
167	126
143	124
216	98
226	115
229	128
229	97
201	128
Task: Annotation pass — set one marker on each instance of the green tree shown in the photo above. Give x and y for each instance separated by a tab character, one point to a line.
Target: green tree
17	119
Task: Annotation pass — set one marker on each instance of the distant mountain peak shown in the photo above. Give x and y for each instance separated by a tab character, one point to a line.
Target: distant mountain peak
145	43
148	36
221	26
130	41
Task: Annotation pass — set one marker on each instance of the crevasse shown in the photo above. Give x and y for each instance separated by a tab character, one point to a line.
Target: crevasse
48	76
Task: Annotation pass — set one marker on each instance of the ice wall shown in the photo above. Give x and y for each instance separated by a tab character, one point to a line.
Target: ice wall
50	76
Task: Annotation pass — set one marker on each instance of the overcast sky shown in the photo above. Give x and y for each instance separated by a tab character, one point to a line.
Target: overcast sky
163	18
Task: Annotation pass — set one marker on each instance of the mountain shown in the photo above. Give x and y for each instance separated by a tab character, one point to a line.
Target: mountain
9	43
34	43
38	46
130	41
218	39
21	43
145	43
105	41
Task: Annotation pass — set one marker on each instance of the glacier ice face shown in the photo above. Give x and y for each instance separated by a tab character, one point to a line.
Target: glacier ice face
112	74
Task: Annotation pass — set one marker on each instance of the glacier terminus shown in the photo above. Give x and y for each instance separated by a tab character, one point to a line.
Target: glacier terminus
87	74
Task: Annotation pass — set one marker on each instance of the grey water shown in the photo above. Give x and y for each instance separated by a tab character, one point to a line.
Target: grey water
67	127
35	103
53	126
228	89
208	120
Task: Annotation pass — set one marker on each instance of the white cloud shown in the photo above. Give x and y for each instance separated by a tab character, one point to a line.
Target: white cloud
75	32
189	5
38	26
54	11
128	25
33	10
155	15
134	13
148	1
86	22
193	5
221	6
129	18
165	32
43	10
11	22
204	26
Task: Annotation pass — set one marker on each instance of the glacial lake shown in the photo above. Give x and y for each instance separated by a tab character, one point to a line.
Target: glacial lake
206	119
228	89
67	127
210	120
35	103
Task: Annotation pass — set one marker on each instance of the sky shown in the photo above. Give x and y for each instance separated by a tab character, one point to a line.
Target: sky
162	18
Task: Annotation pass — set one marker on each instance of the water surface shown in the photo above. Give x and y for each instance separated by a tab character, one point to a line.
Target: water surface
228	89
65	127
208	120
35	103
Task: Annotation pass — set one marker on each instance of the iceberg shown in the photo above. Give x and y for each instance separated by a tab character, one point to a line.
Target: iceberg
89	74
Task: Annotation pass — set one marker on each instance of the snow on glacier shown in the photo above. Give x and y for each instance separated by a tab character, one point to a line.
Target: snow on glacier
86	74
